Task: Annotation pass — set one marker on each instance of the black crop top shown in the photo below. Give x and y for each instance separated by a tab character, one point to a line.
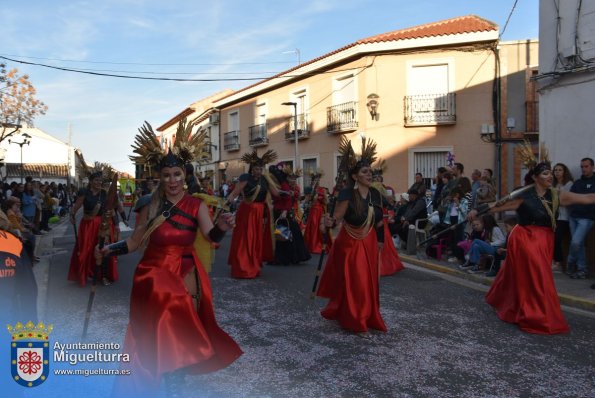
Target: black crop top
356	219
532	211
251	184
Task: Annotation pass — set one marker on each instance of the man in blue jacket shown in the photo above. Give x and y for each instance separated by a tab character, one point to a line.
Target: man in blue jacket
581	219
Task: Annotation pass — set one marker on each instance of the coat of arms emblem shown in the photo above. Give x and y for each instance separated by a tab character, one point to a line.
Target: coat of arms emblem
29	353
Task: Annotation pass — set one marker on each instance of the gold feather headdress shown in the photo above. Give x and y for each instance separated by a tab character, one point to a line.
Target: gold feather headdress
288	170
366	157
252	158
98	169
187	147
315	173
534	164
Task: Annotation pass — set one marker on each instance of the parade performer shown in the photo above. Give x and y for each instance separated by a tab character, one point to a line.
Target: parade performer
252	239
290	250
351	276
172	329
92	199
524	292
315	208
390	263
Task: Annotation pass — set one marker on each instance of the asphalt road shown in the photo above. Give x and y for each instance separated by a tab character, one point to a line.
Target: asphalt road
443	340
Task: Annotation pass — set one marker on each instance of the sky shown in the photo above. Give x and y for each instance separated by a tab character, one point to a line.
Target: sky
222	41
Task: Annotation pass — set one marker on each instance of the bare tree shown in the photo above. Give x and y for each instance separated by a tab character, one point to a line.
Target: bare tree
18	102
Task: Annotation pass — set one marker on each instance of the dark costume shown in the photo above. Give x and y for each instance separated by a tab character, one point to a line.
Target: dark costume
524	292
251	242
291	251
172	334
351	276
313	234
82	261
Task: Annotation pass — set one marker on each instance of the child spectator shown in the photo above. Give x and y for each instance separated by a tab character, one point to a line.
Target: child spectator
463	247
509	223
495	239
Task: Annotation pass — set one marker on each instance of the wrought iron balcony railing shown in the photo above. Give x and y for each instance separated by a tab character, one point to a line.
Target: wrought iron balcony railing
430	109
231	141
303	131
341	117
258	135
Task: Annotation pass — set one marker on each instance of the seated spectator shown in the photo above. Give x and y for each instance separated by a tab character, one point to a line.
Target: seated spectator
486	192
415	210
509	223
494	239
419	185
456	213
463	247
16	226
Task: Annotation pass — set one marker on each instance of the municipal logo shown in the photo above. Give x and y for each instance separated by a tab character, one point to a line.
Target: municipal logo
29	353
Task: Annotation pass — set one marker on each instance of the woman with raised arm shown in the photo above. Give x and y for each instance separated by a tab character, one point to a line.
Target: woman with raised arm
524	292
252	240
172	329
351	276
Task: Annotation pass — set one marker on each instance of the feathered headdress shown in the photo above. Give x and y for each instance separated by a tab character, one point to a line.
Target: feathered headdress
101	170
288	170
379	167
535	165
252	158
367	156
186	148
315	173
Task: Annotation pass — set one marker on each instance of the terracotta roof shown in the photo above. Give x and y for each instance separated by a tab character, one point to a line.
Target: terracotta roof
37	170
454	26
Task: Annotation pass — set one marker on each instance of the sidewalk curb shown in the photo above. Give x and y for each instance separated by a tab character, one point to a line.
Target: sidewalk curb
565	299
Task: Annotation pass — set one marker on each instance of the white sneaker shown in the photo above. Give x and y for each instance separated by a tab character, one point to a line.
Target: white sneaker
453	260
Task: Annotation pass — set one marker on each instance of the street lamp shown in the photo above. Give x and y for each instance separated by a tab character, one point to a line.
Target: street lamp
295	131
26	141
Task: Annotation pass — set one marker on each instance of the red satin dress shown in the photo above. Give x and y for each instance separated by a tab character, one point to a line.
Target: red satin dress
351	281
313	234
390	263
82	261
524	292
166	332
251	242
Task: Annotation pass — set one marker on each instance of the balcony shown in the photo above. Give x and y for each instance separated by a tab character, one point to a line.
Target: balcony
532	116
231	141
430	109
258	135
342	117
303	130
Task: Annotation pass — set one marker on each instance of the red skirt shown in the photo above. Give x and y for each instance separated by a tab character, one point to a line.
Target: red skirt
166	332
351	281
313	234
251	242
82	261
524	292
390	263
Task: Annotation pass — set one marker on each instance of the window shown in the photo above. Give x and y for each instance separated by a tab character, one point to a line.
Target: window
429	99
309	165
427	162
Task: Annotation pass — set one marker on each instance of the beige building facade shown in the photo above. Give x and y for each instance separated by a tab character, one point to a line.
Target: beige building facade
420	93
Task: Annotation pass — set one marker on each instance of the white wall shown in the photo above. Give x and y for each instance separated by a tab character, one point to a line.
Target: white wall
567	82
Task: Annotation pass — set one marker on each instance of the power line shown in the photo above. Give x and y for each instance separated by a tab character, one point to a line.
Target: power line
146	64
508	19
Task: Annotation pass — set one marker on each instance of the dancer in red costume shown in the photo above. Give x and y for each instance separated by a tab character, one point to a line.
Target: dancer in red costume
317	202
390	263
252	240
82	261
524	292
172	329
351	276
